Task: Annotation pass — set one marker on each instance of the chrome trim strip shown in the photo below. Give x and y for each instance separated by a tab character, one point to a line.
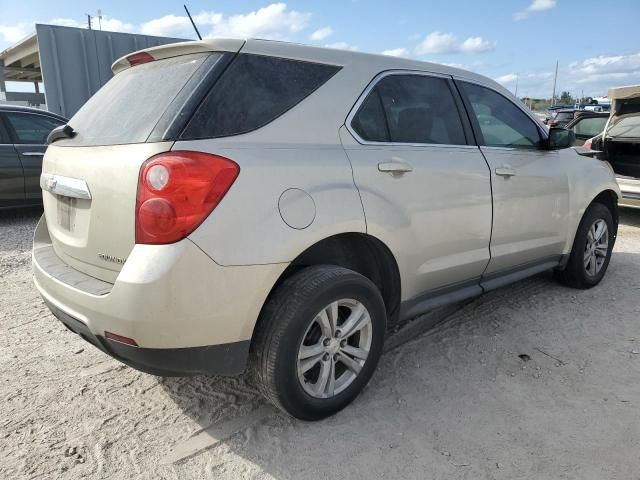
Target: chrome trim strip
65	186
370	87
33	154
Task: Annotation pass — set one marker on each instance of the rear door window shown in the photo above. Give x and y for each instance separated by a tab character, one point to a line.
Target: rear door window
501	122
127	108
254	91
589	126
410	108
31	128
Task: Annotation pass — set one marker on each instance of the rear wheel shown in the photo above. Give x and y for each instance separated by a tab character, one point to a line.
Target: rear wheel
318	341
592	249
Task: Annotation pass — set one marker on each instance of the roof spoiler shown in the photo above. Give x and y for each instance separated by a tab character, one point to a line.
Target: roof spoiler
181	48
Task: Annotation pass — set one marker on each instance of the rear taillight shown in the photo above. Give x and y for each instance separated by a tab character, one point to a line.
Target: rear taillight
138	58
177	191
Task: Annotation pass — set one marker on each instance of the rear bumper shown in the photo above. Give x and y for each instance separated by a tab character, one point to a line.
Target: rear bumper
225	359
188	314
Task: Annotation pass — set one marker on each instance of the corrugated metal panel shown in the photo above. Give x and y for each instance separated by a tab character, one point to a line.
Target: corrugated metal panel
76	62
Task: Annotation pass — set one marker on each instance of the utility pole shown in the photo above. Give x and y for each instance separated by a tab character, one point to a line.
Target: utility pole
516	92
100	19
89	21
555	79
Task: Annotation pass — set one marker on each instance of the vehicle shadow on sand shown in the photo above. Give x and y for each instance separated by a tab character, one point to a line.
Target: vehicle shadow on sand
516	349
630	217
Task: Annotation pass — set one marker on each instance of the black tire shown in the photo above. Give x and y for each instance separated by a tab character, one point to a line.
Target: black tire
575	274
283	322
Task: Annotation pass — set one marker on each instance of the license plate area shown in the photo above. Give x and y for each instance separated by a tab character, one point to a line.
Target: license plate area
66	212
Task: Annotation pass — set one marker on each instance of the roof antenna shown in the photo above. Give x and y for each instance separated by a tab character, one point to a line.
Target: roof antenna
192	22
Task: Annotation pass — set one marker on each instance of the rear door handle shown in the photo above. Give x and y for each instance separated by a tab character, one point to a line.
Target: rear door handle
505	171
395	167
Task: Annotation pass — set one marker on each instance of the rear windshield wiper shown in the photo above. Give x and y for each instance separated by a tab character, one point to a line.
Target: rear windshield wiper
63	131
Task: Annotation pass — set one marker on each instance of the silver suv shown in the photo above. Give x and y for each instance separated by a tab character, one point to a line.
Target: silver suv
228	205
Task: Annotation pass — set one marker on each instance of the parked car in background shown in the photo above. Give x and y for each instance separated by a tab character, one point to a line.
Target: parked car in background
226	204
619	143
23	141
587	125
559	118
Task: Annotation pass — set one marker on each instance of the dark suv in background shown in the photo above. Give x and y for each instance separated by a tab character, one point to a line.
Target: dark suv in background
23	141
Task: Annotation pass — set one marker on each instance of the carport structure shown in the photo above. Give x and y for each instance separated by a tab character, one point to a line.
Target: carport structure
21	63
72	63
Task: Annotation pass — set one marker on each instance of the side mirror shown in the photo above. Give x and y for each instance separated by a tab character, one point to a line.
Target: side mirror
561	138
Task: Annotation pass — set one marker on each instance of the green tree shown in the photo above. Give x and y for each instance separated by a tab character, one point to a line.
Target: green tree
566	98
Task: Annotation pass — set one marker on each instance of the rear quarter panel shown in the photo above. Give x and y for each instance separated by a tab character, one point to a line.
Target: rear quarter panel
247	228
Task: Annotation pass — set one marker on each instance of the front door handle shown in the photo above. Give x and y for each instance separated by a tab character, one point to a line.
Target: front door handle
505	171
395	167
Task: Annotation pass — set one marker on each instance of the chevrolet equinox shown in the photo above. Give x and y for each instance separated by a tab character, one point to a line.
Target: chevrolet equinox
229	205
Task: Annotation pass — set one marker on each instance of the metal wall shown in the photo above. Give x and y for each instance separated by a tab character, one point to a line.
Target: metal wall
76	62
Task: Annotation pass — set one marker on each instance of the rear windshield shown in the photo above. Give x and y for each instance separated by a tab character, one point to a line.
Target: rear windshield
128	107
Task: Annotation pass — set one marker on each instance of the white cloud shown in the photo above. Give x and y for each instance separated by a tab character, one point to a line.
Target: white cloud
171	26
396	52
535	6
274	21
342	46
321	34
508	78
14	33
107	24
443	43
607	70
477	45
437	42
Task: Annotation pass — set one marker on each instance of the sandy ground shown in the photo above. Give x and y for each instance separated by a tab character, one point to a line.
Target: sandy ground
457	402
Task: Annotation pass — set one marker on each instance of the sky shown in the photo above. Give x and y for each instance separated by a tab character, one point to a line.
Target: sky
516	42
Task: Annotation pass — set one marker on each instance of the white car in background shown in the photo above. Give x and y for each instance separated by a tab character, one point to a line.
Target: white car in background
619	143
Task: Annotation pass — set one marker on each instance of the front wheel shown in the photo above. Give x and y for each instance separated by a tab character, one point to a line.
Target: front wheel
318	341
591	250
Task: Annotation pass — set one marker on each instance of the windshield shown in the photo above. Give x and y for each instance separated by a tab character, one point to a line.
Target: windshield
128	107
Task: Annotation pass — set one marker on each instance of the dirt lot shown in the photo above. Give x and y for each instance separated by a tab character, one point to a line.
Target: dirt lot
456	403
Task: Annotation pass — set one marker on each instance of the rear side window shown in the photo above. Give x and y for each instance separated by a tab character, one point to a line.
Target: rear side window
564	116
410	109
502	123
254	91
31	128
590	126
127	108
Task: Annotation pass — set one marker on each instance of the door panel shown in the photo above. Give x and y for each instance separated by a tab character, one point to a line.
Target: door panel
436	219
31	158
530	207
11	177
530	185
425	190
29	131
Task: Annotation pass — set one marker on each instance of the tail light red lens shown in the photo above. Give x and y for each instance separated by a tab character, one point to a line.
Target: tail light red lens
177	191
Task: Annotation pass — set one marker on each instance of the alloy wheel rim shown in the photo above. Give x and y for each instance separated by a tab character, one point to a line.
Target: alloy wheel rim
597	247
334	348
